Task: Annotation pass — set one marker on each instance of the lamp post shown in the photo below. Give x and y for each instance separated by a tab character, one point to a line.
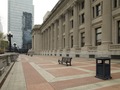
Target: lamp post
9	35
15	48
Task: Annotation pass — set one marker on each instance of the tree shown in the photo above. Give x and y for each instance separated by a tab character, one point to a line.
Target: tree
3	43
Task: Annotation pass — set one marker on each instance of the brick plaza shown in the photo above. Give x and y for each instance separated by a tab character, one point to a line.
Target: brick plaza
44	73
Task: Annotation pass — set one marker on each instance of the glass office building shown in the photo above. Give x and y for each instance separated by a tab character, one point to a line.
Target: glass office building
20	22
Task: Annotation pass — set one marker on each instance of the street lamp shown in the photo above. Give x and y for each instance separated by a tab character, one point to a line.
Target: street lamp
15	47
9	35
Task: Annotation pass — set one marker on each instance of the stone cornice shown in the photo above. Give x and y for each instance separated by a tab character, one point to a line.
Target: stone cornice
60	9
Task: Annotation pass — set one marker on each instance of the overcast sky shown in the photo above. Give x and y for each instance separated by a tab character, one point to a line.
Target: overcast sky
40	9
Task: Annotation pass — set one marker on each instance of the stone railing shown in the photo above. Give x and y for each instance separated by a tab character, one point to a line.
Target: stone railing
92	48
6	60
114	47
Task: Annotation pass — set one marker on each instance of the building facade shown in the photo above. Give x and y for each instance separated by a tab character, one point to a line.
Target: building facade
80	28
20	22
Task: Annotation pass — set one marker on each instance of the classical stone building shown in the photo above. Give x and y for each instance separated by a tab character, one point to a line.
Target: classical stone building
80	28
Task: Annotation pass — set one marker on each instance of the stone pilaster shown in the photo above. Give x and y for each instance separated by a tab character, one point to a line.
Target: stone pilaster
32	42
67	29
40	42
107	22
44	41
60	32
52	37
48	38
35	42
55	35
76	27
88	23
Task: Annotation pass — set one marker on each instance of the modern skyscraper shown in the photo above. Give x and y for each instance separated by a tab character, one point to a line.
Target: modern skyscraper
20	22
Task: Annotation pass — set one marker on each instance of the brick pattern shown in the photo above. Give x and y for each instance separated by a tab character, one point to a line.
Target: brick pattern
80	74
34	80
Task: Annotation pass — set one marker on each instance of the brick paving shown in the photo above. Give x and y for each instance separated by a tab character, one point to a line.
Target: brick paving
44	73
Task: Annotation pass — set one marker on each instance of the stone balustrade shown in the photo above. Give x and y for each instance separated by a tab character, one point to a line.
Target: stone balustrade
6	60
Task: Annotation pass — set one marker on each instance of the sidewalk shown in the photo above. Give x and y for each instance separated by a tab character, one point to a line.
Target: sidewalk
44	73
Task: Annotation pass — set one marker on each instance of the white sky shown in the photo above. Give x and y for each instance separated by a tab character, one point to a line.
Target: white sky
40	9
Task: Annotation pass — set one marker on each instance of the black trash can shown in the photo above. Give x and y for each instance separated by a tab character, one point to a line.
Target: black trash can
103	68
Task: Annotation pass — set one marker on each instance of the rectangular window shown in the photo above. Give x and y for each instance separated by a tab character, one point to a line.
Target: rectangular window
98	10
82	39
119	2
98	36
118	25
71	41
72	12
79	6
93	11
82	5
71	24
79	19
115	3
64	42
83	18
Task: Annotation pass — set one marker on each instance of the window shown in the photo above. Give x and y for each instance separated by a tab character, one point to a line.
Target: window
118	31
98	36
71	41
71	24
82	39
82	5
64	42
115	3
93	11
119	2
79	19
83	18
98	9
72	12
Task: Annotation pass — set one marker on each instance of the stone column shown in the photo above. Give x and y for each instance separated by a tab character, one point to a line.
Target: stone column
40	42
52	37
48	38
67	30
44	41
88	23
55	35
75	26
60	32
35	43
32	41
107	22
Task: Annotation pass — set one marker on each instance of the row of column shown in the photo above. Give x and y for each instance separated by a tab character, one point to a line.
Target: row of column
53	43
49	39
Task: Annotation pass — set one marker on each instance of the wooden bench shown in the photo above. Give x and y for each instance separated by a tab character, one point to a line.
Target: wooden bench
66	60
